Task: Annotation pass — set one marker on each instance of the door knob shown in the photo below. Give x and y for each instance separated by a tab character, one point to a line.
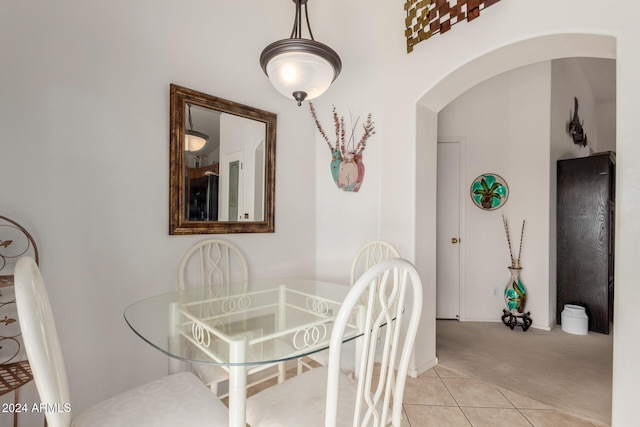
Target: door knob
454	240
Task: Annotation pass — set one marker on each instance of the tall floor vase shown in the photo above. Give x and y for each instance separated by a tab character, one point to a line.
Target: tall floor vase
515	298
515	295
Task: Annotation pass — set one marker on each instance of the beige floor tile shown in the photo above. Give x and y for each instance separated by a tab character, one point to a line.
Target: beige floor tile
600	424
427	391
405	419
474	393
442	397
436	416
430	373
444	372
495	417
553	418
523	402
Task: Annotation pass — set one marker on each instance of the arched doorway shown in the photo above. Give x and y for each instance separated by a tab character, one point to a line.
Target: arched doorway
501	60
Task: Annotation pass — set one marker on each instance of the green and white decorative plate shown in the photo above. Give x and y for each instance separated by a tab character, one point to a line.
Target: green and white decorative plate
489	191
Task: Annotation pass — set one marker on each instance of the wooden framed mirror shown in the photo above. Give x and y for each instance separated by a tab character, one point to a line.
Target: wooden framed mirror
222	165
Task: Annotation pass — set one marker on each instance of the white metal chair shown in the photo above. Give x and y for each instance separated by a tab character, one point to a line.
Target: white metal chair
326	397
212	265
184	399
370	254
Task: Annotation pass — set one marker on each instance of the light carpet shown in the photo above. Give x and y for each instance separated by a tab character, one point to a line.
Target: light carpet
569	372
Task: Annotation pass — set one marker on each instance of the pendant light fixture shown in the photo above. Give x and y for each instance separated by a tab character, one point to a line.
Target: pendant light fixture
193	140
297	67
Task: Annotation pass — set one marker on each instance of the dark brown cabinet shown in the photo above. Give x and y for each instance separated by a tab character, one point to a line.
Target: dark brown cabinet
585	233
202	188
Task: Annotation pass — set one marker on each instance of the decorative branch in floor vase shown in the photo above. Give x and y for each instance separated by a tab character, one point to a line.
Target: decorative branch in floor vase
515	262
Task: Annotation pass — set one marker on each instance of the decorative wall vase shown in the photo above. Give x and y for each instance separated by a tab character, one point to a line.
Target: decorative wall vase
351	172
358	158
347	169
336	160
515	295
489	191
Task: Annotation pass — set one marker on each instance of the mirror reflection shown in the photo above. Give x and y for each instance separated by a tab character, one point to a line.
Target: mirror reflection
225	166
224	153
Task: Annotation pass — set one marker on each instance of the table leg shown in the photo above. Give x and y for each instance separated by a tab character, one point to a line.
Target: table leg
237	386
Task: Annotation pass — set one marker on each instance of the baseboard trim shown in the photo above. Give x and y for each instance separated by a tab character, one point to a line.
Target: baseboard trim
415	373
492	320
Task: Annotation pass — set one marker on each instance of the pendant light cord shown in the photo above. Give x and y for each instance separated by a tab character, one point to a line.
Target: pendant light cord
190	122
296	32
306	15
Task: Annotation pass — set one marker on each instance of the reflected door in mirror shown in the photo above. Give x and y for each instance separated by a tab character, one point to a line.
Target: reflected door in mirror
234	177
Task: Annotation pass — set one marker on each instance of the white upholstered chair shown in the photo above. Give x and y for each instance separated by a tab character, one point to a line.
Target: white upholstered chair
179	399
212	265
370	254
326	397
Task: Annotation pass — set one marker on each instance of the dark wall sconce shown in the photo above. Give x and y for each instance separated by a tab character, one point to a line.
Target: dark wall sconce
574	127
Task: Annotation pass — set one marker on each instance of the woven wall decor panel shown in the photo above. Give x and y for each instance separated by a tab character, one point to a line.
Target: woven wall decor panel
428	17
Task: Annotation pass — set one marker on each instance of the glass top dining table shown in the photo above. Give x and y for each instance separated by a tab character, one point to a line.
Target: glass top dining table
243	324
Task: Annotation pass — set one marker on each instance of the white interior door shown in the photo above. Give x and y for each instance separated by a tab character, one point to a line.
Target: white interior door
448	232
232	203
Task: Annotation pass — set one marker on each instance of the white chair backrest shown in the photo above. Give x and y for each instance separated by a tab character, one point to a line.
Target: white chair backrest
41	341
212	263
370	254
378	398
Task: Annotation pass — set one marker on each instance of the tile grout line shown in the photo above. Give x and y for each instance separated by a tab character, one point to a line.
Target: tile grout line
593	423
515	406
453	397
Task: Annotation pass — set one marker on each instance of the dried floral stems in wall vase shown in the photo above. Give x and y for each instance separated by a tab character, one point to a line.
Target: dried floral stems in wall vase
347	168
515	294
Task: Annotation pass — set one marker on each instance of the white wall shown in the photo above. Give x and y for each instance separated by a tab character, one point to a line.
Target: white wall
504	123
346	221
568	81
425	251
84	159
606	122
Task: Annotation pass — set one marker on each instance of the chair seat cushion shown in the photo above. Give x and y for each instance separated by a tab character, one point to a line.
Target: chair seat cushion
300	401
211	375
176	400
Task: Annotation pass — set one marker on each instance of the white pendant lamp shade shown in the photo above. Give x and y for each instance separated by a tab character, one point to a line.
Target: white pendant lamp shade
300	72
300	68
194	141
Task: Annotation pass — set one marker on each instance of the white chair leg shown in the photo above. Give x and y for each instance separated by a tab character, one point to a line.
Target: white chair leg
282	372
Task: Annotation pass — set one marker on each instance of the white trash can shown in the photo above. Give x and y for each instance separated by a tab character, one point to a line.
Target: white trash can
575	320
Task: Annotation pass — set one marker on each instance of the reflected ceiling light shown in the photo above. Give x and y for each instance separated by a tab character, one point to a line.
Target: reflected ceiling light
193	140
297	67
